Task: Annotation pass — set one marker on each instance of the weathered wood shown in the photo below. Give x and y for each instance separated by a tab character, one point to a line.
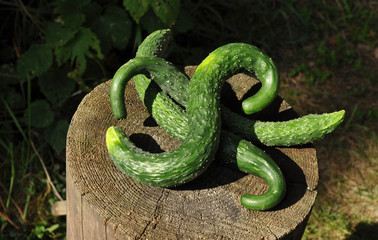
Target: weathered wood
59	208
103	203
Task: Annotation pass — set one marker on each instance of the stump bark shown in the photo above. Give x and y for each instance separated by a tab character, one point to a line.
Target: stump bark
103	203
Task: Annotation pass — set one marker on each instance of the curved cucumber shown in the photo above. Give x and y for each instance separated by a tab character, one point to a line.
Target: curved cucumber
196	151
233	150
250	159
200	145
230	59
154	45
300	131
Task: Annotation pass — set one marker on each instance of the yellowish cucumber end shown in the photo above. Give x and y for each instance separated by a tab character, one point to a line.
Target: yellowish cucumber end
342	114
339	116
112	139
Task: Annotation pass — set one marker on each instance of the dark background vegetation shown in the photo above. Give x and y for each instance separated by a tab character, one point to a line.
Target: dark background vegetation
54	52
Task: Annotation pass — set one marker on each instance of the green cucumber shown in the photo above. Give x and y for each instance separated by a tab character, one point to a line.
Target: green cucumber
230	59
251	159
173	119
297	131
233	150
192	157
197	150
294	132
154	45
200	145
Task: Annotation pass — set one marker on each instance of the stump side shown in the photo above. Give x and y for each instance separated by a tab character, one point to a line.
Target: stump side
103	203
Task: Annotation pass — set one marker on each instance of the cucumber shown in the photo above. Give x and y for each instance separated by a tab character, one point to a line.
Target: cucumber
199	145
229	59
196	151
173	119
233	150
203	112
251	159
297	131
240	55
154	45
303	130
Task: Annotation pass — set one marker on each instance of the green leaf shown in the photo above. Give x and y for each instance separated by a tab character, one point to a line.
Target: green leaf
70	12
115	27
78	49
52	228
136	8
35	61
166	10
73	19
41	114
39	231
92	12
66	6
14	99
57	35
56	135
150	22
56	85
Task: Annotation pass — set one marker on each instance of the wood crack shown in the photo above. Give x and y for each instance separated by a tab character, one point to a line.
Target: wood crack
155	216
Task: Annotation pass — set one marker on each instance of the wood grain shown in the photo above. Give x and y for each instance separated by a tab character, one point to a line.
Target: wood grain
103	203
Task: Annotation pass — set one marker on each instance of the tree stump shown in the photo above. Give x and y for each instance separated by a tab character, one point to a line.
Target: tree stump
103	203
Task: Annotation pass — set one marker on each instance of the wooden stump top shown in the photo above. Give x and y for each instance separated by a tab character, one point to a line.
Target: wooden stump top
208	207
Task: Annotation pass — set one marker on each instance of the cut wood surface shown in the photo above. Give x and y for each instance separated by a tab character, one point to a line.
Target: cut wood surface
103	203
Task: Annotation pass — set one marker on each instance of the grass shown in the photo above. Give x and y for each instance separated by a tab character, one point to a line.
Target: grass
323	81
347	193
340	73
327	54
25	204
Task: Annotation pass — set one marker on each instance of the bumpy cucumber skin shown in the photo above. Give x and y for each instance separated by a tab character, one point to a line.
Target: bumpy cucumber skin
194	154
297	131
250	159
136	68
203	111
231	59
157	43
235	57
232	150
288	133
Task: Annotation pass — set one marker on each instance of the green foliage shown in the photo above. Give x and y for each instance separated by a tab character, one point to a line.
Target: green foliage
71	37
56	86
167	11
41	114
35	61
63	50
78	49
312	75
56	136
113	29
41	231
56	35
136	8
